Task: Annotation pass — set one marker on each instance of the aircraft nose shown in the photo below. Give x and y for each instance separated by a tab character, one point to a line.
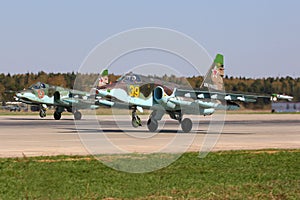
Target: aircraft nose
22	93
19	94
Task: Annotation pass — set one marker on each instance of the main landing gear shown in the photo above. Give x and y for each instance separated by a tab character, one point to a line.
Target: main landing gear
77	115
57	115
156	115
186	123
136	121
59	110
152	123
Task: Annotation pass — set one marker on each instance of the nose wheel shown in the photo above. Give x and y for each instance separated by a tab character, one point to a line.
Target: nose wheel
136	121
42	113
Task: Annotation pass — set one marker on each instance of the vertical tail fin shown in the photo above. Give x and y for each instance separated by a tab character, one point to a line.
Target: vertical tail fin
103	80
214	77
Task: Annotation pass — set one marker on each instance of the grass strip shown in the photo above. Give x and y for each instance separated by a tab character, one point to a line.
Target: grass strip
264	174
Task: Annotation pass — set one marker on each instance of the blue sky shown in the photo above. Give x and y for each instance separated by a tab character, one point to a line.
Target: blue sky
259	38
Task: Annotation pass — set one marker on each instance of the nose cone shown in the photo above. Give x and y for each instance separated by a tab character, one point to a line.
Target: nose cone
23	93
19	94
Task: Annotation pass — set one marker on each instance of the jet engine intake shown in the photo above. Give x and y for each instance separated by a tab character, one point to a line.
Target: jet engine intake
158	93
162	98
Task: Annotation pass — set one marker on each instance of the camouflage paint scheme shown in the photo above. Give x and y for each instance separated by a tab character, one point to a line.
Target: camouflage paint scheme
62	99
136	92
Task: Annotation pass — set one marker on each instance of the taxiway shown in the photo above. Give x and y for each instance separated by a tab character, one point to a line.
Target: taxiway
32	136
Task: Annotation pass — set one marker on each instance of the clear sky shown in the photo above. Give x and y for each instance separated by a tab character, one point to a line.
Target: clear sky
259	38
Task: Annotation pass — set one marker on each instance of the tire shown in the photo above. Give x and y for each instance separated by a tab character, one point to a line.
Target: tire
42	114
57	115
186	125
136	122
77	115
152	125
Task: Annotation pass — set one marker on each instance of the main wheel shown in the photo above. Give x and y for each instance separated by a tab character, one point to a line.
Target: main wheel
186	125
136	122
42	114
57	115
77	115
152	125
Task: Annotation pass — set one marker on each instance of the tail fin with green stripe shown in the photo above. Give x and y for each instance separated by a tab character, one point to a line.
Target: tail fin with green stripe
214	77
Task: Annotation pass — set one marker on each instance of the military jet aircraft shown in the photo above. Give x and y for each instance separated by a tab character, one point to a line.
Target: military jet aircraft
62	99
136	92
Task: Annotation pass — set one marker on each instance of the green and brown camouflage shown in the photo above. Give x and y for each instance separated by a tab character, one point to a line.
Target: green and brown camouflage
45	95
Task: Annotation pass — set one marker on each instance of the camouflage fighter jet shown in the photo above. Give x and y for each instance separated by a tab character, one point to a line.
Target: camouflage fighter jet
62	99
135	92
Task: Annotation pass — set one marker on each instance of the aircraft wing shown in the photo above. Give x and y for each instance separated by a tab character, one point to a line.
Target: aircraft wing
213	88
225	96
79	103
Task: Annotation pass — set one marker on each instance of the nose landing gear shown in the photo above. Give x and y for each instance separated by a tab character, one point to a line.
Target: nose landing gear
136	121
43	113
43	109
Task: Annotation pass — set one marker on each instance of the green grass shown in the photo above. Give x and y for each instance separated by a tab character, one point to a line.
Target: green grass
221	175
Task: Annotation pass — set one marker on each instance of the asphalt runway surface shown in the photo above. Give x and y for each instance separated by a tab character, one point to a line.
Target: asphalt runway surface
31	136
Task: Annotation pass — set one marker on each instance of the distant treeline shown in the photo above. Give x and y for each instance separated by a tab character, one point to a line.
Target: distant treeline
11	83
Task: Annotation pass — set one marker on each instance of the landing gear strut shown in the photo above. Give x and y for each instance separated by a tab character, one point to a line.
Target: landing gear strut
136	121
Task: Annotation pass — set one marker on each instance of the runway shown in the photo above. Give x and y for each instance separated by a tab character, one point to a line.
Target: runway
32	136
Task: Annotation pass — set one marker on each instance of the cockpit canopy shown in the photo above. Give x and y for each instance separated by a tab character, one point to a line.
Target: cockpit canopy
130	78
38	85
